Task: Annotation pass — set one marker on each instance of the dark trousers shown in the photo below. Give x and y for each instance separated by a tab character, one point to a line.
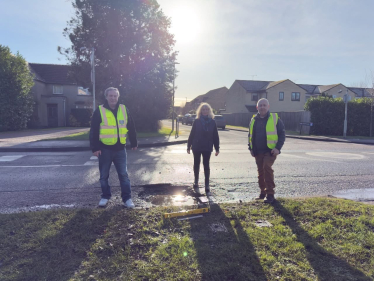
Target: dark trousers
196	165
265	172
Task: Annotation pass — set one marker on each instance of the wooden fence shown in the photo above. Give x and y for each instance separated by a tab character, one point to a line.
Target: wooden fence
291	120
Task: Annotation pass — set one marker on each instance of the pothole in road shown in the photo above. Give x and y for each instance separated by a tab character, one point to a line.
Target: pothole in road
167	195
361	195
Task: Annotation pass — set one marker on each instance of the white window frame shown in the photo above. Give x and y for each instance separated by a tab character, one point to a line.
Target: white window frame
280	96
55	87
294	96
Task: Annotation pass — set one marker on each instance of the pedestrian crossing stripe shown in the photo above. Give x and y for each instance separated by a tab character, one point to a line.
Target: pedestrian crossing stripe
9	158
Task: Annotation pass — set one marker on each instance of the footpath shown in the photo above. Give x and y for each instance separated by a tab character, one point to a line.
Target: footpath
37	140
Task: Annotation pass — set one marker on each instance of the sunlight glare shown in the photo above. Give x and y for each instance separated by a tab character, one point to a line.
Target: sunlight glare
185	24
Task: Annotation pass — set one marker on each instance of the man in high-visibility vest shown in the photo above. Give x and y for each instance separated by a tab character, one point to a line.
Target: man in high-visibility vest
265	140
111	124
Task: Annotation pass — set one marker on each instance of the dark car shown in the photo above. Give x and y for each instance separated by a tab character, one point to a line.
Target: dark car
188	119
220	121
180	118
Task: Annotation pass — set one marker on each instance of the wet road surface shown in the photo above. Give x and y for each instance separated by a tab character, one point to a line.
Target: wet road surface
31	181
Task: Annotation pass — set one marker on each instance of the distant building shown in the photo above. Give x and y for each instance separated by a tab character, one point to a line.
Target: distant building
216	99
55	94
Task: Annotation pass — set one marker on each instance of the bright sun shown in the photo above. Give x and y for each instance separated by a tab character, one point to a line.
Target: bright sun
185	24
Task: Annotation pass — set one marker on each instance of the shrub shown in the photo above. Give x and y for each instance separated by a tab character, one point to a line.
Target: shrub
80	117
327	116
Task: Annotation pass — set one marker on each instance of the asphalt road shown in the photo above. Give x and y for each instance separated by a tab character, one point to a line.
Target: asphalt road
30	181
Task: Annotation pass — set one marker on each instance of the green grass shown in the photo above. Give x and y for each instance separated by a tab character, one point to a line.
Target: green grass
311	239
164	131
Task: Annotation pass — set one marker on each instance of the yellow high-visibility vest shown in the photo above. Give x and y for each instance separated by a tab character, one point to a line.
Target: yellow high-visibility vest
271	131
108	126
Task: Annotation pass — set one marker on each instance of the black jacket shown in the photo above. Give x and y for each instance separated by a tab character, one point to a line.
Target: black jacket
203	140
95	142
259	138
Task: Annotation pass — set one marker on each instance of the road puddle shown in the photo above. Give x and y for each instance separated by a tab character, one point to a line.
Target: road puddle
170	200
361	195
167	195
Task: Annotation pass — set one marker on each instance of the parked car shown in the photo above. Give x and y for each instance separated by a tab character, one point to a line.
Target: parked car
180	118
188	119
220	121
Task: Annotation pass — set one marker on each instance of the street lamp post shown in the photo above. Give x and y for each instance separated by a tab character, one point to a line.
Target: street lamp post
345	113
172	114
92	60
371	115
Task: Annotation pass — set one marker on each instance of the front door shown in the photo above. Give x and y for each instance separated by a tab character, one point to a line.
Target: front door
52	114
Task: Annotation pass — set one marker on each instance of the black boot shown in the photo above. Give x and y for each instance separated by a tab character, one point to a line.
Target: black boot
207	176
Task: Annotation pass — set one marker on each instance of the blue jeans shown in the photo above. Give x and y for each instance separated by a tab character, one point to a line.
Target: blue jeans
119	158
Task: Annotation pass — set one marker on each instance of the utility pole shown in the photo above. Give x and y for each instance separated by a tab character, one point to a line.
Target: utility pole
252	76
92	61
93	78
371	115
345	114
172	113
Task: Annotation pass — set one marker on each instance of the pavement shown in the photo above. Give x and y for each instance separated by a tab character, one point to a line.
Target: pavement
40	141
37	140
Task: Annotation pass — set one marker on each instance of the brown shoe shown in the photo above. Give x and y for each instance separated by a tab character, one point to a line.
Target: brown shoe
269	198
261	196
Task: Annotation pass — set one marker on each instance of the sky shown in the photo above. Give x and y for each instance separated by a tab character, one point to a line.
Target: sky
307	41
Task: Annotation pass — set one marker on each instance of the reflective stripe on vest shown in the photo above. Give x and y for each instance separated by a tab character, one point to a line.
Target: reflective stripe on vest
271	131
110	130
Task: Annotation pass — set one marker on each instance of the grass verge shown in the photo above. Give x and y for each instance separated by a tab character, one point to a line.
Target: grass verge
164	131
310	239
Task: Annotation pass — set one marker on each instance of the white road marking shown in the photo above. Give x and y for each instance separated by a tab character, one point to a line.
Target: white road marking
337	155
10	158
184	151
41	166
91	163
308	158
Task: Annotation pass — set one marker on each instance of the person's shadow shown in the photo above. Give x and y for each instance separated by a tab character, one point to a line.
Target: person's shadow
326	265
224	251
58	256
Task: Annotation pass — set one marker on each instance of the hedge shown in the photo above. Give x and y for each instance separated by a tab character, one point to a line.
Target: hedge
327	116
80	117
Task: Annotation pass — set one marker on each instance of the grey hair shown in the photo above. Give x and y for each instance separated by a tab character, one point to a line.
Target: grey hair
110	89
262	100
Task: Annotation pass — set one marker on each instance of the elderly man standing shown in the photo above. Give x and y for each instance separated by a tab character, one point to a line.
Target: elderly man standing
266	138
110	125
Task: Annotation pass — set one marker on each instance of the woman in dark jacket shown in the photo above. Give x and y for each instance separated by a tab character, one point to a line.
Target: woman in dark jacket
203	136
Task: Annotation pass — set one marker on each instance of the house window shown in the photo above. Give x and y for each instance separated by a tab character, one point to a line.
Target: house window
254	97
281	95
57	89
295	96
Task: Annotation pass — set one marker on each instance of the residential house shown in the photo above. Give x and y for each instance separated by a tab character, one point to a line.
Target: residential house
283	96
216	99
55	94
